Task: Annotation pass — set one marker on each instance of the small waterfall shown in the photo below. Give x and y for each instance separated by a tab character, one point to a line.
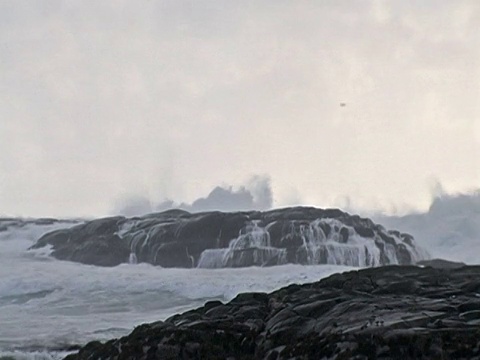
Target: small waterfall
314	240
323	241
341	246
391	254
251	248
132	259
192	259
212	259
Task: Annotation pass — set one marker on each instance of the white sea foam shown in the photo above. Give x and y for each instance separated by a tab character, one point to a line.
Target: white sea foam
33	355
50	304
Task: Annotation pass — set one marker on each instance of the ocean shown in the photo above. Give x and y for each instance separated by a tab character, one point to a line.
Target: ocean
47	305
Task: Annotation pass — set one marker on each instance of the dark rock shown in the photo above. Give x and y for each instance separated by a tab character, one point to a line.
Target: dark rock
94	242
365	231
344	235
175	238
394	312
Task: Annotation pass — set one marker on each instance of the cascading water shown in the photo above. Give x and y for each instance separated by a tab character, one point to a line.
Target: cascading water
251	247
217	240
48	307
132	259
340	245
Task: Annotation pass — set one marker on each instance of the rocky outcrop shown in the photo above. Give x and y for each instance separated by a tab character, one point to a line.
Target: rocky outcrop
177	238
394	312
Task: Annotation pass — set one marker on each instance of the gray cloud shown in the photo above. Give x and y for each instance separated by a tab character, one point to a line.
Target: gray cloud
164	98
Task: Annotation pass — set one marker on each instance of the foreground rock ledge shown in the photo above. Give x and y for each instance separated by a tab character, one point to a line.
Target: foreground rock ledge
394	312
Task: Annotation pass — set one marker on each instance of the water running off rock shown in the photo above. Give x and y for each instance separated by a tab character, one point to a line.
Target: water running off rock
177	238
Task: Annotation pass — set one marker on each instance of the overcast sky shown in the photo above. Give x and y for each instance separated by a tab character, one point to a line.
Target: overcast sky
104	100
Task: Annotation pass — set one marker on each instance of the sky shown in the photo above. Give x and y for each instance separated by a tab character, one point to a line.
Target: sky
103	103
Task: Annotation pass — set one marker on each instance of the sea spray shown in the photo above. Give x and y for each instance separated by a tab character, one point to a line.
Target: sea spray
50	304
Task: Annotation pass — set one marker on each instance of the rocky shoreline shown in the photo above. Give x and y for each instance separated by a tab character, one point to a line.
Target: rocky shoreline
176	238
392	312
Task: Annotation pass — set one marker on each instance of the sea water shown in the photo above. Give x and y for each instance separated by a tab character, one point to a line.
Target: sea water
47	305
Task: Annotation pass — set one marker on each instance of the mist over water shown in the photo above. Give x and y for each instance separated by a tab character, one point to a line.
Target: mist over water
136	107
256	194
46	305
450	229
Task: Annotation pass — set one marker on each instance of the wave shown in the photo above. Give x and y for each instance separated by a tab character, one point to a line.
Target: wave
49	306
33	355
24	297
450	229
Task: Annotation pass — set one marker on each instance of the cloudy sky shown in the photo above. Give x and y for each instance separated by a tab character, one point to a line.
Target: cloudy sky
109	100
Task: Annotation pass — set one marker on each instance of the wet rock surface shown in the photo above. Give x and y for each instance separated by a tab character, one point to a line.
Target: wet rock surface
393	312
176	238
